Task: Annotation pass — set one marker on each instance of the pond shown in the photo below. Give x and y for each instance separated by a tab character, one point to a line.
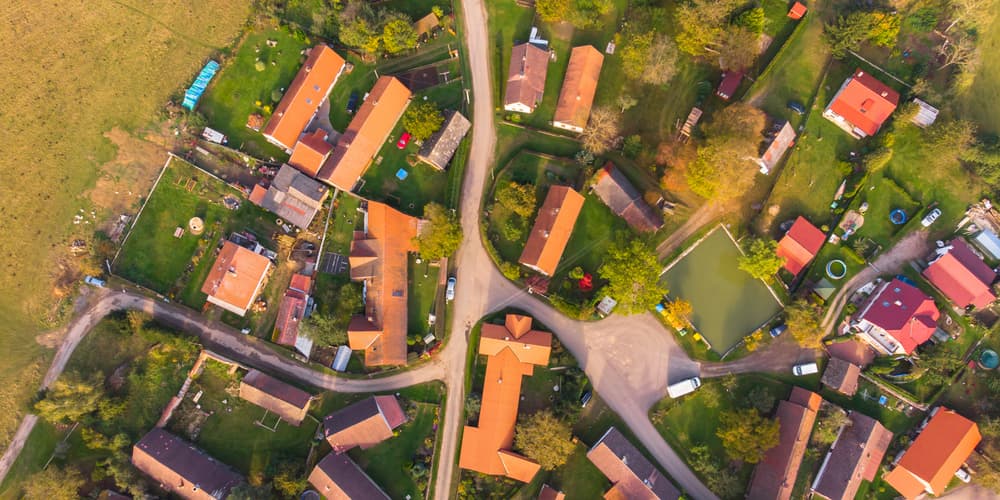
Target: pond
727	303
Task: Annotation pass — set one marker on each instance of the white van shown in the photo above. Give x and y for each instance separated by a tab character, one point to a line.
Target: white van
805	369
683	387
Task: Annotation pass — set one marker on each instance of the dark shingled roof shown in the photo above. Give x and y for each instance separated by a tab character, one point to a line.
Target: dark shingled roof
614	189
288	402
774	477
338	477
526	75
854	457
293	196
182	469
841	376
438	150
365	423
630	473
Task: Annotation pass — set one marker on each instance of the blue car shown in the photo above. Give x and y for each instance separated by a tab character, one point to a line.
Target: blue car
352	103
797	107
778	330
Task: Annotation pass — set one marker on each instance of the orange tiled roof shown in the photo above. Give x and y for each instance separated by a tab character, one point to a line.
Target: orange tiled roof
553	227
800	245
485	448
379	257
310	153
366	134
526	74
529	346
940	449
304	96
236	277
774	477
579	86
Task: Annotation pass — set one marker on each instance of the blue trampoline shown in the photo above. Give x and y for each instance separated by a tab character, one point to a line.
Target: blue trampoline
402	174
197	88
897	217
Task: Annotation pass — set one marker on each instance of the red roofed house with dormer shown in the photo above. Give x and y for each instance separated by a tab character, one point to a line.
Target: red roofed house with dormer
896	318
862	105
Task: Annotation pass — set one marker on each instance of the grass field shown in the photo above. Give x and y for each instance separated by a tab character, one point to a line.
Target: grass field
238	87
116	66
423	294
980	102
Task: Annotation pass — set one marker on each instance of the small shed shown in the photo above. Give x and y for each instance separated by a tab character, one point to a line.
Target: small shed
988	241
824	289
606	305
426	24
797	11
926	114
730	82
341	359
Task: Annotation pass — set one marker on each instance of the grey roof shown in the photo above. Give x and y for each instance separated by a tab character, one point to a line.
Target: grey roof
294	196
166	457
614	189
841	376
854	457
337	471
441	146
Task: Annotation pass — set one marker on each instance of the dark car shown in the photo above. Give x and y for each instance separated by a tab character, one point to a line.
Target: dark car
352	103
585	399
778	330
797	107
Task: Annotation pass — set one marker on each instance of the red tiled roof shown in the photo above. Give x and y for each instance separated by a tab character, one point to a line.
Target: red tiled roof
962	276
337	477
864	102
257	195
854	457
904	312
730	82
550	493
553	227
310	152
940	449
797	11
304	96
301	283
632	476
290	314
182	469
800	245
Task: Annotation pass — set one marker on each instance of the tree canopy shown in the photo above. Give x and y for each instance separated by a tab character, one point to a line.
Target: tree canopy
848	31
441	235
422	119
803	320
517	198
552	11
753	19
738	49
602	128
633	273
649	58
71	397
761	260
701	24
368	31
398	33
54	483
546	439
722	169
746	435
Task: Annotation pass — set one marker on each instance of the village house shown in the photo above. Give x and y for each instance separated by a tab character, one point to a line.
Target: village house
235	278
292	196
841	376
578	89
512	351
337	477
962	276
311	152
800	245
730	82
363	424
945	442
862	105
854	457
284	400
438	150
305	95
553	227
896	318
179	468
366	134
379	260
782	141
549	493
291	312
529	65
774	477
632	476
614	189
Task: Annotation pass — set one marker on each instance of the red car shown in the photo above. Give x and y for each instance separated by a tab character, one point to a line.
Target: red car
403	140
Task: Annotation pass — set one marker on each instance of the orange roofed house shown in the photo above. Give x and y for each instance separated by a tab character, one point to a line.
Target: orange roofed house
181	469
366	133
800	245
310	152
962	276
553	227
529	65
632	476
363	424
512	351
862	105
379	260
236	277
286	401
291	312
304	96
929	464
774	477
578	89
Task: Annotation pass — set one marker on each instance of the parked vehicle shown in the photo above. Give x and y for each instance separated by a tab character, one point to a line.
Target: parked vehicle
92	281
404	140
352	103
963	475
778	330
931	217
805	369
797	107
449	293
585	399
683	387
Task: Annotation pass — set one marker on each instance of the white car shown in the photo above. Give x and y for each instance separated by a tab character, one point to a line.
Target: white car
683	387
931	217
449	293
805	369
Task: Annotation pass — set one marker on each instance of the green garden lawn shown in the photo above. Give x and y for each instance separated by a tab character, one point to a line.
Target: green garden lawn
423	294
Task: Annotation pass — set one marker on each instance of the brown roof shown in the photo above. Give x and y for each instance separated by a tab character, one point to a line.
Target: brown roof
292	195
550	493
553	227
774	477
426	24
366	134
292	310
841	376
304	96
379	257
310	152
235	278
288	402
615	190
932	459
337	477
854	457
365	423
526	75
180	468
632	476
579	86
485	448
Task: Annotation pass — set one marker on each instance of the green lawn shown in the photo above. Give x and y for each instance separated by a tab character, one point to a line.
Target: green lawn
344	220
40	445
359	81
235	91
883	195
979	103
423	295
153	258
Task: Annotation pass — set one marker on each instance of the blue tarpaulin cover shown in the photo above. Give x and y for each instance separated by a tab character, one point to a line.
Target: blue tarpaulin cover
193	93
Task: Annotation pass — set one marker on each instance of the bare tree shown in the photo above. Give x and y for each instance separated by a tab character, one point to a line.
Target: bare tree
601	130
960	50
738	50
626	102
972	13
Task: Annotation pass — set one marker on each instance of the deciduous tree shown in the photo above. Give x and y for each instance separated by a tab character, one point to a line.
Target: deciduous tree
752	19
71	397
441	235
397	32
701	24
803	320
360	34
723	169
601	129
649	58
517	198
950	141
328	325
422	119
746	435
633	273
588	13
545	439
552	11
54	483
738	49
761	259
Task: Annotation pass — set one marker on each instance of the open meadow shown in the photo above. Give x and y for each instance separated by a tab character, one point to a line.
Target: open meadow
72	72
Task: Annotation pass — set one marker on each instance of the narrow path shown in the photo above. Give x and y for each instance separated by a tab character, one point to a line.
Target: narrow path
704	215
